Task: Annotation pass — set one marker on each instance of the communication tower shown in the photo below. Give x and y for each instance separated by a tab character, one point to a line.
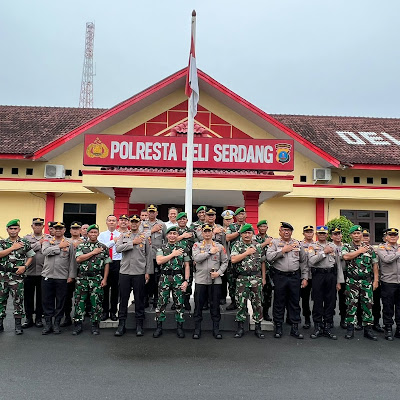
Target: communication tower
86	96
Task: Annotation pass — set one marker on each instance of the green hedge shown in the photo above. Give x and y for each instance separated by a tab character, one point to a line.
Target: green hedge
344	224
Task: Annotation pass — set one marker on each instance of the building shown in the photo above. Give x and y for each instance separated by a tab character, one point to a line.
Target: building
341	165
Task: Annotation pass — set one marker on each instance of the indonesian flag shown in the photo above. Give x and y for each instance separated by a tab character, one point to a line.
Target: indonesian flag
192	82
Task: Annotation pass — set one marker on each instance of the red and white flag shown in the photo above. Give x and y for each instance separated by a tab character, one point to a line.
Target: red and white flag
192	82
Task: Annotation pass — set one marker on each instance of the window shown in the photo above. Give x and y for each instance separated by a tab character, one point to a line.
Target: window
14	171
384	181
356	179
370	180
29	171
303	178
68	172
1	170
374	221
342	179
84	213
80	173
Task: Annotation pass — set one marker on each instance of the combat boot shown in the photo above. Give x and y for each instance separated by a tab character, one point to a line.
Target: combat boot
48	326
67	321
278	330
294	331
240	330
216	332
376	327
197	331
1	325
28	323
388	333
318	332
397	333
232	306
258	331
38	322
350	331
56	329
95	328
78	328
158	332
139	328
369	334
179	330
327	331
18	327
121	328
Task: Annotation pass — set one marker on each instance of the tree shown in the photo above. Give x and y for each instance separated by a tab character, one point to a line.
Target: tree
342	223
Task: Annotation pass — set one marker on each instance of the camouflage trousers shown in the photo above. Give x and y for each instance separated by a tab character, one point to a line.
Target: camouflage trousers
166	284
231	278
88	287
359	290
248	288
14	284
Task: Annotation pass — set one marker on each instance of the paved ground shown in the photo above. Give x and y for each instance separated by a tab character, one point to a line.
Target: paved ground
105	367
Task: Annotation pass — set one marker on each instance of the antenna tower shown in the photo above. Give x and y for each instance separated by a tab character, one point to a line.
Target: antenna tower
86	96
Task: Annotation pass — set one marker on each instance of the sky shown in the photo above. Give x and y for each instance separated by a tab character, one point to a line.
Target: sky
314	57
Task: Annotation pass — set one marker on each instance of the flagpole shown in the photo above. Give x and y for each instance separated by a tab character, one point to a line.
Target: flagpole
190	135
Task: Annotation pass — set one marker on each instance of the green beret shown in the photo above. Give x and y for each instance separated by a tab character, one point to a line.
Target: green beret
201	208
262	222
181	215
239	210
246	227
172	228
93	226
356	228
13	222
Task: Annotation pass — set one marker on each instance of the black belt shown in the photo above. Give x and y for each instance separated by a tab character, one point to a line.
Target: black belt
323	270
172	272
291	273
89	274
250	273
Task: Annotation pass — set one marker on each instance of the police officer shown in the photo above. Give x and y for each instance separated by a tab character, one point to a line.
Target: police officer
289	262
136	264
15	258
389	256
218	230
362	279
227	219
93	265
33	279
305	292
327	278
59	268
247	261
211	262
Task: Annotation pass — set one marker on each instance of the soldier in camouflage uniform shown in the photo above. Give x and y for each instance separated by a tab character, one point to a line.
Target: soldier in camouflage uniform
15	257
362	279
201	215
263	239
247	261
174	260
93	261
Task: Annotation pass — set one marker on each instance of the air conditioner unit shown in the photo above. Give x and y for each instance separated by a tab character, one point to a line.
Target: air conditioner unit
322	174
52	171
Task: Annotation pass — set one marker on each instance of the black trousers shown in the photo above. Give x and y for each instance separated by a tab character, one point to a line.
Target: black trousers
202	293
53	297
126	284
324	296
112	289
68	298
391	302
267	296
33	296
286	293
224	286
342	301
151	288
305	294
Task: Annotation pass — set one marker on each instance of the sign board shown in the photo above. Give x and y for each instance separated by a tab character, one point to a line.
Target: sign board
170	152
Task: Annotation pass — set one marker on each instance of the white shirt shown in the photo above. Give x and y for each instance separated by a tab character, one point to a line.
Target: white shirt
105	238
169	224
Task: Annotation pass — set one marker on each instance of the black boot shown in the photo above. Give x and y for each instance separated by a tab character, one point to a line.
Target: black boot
294	331
369	334
121	328
67	321
327	331
78	328
240	330
278	330
350	331
358	327
187	303
258	331
216	332
343	324
179	330
28	323
388	332
1	325
318	331
158	332
57	323
18	327
307	324
197	331
39	322
232	306
48	326
266	316
397	333
139	328
95	328
376	327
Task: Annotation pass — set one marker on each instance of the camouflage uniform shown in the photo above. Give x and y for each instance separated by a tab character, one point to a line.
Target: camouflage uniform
249	280
171	279
188	243
359	284
90	275
9	280
231	277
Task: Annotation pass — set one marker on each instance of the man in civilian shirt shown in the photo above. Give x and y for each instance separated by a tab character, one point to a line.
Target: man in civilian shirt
172	214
